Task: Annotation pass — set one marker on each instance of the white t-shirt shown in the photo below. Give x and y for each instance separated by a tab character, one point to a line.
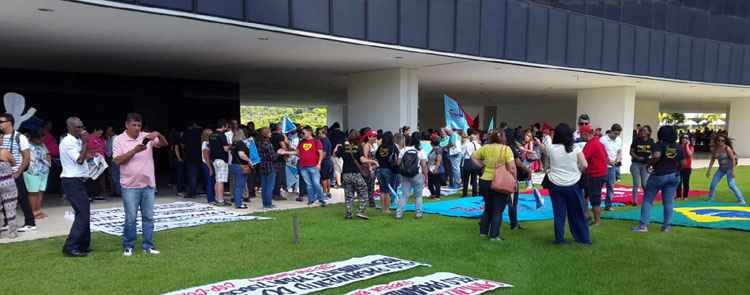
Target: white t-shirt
70	149
469	149
9	142
204	147
563	166
422	156
612	146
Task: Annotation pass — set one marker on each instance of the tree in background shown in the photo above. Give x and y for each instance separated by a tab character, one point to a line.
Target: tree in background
672	118
263	116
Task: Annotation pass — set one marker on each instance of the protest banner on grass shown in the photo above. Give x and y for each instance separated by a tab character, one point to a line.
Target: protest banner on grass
442	283
308	280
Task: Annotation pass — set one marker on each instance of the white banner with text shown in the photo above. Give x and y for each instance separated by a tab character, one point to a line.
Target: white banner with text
442	283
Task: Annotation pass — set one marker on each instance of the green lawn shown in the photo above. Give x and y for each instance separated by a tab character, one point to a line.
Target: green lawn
684	261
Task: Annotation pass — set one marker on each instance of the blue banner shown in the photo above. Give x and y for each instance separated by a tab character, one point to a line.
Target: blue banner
492	123
254	155
454	116
287	125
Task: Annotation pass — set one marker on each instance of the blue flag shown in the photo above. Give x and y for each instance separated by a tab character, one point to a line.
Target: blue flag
454	116
254	155
492	123
287	125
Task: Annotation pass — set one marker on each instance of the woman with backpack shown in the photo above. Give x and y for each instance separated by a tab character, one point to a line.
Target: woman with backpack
387	157
412	163
566	165
724	153
492	155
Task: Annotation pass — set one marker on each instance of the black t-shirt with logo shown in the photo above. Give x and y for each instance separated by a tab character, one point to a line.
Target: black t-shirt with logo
349	154
216	143
669	162
383	156
642	148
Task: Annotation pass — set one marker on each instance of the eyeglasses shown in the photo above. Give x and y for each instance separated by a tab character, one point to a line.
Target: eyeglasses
583	123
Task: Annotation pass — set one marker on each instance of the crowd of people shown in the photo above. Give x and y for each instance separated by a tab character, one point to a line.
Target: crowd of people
305	163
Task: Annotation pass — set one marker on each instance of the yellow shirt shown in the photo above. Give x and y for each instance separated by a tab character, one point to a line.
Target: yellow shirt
493	155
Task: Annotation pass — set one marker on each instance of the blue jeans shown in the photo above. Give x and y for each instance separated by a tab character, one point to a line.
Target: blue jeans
240	180
730	181
267	183
134	199
640	174
456	170
114	170
210	183
667	184
410	186
611	180
567	202
312	179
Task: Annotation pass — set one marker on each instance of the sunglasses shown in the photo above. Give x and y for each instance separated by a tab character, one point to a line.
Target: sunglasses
583	123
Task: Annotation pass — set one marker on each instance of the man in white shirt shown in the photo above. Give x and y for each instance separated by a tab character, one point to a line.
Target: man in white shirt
455	156
18	145
613	144
74	176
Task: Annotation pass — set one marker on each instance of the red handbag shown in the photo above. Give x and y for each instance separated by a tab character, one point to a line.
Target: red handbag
504	182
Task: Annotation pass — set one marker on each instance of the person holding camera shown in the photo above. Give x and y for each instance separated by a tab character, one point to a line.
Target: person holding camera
133	152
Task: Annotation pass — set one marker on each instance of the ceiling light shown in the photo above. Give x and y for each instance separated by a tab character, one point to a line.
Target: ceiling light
263	38
45	9
398	57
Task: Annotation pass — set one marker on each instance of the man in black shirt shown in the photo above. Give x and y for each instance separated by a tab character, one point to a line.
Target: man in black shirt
219	155
192	157
337	137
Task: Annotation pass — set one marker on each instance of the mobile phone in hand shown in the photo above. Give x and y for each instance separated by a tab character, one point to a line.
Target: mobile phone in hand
145	141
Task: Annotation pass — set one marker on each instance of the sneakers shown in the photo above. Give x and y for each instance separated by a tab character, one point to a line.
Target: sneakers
640	229
743	202
666	229
26	228
418	216
127	252
151	251
348	217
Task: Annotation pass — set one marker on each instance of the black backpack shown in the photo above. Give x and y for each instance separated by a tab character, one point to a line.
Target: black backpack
409	164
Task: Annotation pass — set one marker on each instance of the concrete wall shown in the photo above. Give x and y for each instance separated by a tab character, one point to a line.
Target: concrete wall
647	113
739	121
607	106
383	99
525	114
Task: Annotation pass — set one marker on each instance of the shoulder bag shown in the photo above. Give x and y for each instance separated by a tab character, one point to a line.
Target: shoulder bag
504	182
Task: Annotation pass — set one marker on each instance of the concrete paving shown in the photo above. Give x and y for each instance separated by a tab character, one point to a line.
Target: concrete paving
56	224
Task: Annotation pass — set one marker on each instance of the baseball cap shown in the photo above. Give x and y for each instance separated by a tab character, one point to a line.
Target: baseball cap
586	129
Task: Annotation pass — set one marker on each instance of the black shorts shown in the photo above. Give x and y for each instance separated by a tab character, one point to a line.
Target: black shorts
594	190
326	169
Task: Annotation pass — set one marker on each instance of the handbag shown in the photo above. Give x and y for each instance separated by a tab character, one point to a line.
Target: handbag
246	169
504	182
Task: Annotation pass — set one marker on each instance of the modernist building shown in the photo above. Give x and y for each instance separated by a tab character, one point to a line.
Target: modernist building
383	63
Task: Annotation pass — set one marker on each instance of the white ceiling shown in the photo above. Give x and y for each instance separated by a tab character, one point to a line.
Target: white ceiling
92	39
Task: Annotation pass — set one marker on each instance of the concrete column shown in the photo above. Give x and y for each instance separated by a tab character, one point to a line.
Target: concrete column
739	121
647	113
386	99
336	113
607	106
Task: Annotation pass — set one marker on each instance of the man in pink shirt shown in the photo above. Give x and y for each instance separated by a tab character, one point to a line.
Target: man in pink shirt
133	152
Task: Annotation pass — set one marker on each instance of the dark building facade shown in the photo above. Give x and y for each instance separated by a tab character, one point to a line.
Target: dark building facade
695	40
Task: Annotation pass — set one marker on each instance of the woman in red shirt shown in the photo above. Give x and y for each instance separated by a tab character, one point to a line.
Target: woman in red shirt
687	150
